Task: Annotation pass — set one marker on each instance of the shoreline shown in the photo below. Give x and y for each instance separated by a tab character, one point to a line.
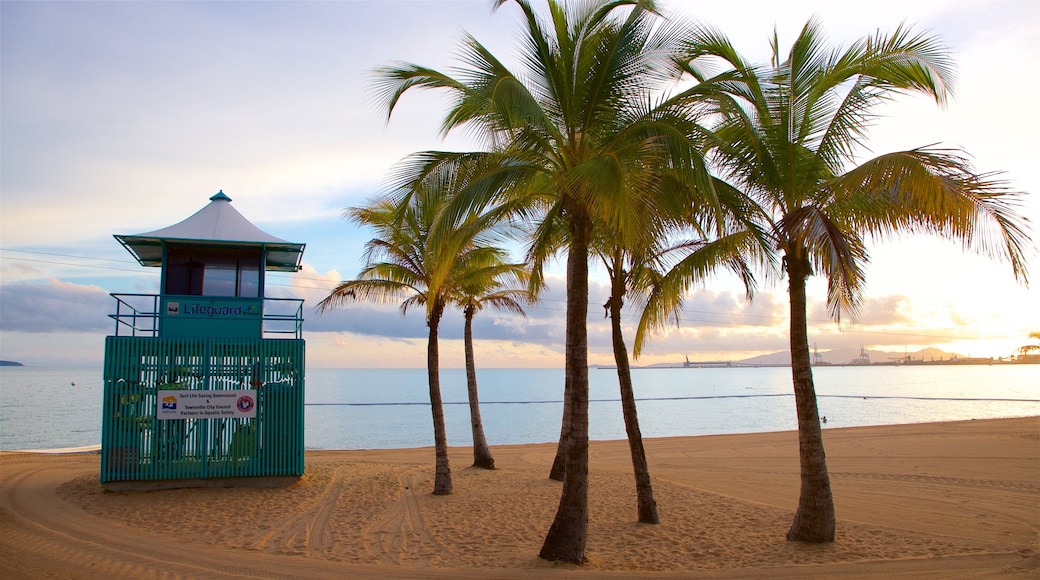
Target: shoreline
924	500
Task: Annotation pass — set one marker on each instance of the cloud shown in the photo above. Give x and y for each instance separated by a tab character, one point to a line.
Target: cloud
716	325
54	306
146	109
180	99
884	311
366	319
960	318
12	271
727	308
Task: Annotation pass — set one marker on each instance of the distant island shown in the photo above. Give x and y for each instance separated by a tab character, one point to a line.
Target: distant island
10	363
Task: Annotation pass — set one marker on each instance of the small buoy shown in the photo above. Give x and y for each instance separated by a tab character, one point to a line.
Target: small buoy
74	383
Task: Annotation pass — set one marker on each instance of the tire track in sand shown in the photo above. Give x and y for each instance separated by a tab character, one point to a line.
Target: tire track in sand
39	539
952	481
399	535
308	531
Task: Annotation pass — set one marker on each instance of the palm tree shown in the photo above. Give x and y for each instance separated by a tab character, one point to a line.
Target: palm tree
614	258
581	140
727	236
789	134
481	288
1028	348
420	257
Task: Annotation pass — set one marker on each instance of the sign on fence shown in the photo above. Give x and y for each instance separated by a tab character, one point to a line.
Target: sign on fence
235	404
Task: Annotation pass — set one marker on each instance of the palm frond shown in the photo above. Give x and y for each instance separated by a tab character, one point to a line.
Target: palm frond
936	191
692	262
391	82
835	251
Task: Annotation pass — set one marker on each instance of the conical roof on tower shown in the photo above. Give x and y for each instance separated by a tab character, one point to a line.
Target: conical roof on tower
215	224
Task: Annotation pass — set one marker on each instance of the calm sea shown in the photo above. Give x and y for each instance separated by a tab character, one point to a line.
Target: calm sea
43	408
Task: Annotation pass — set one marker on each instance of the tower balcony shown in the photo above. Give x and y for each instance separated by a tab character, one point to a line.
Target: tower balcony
183	316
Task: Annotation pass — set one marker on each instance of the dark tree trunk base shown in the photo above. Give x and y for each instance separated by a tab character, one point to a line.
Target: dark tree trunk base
648	513
488	463
798	533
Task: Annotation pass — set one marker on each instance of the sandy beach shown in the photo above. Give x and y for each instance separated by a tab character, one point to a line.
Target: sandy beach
935	500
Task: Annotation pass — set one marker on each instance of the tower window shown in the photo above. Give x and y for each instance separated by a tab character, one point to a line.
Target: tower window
208	271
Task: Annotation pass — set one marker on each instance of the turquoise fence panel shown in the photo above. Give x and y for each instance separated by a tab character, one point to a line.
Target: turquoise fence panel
178	408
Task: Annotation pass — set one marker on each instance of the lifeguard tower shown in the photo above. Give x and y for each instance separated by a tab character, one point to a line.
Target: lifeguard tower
205	380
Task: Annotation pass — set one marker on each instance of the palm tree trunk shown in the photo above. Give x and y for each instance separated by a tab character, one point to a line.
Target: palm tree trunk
814	520
442	479
481	451
569	531
560	462
646	505
559	466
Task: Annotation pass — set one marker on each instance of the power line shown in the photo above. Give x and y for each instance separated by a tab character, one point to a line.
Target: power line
71	264
67	256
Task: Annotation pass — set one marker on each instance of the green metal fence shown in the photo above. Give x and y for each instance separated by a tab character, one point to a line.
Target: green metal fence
145	436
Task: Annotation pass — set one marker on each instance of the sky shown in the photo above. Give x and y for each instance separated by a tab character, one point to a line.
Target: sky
125	117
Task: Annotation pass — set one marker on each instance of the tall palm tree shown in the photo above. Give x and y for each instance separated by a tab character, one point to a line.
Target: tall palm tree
1028	348
727	236
621	277
419	259
481	288
584	142
789	135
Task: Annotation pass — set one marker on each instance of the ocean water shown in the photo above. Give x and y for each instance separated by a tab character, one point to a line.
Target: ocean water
55	407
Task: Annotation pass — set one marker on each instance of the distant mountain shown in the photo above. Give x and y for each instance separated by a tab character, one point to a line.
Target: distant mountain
10	363
777	358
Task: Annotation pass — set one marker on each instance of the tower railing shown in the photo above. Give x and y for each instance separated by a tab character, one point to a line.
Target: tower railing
141	315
